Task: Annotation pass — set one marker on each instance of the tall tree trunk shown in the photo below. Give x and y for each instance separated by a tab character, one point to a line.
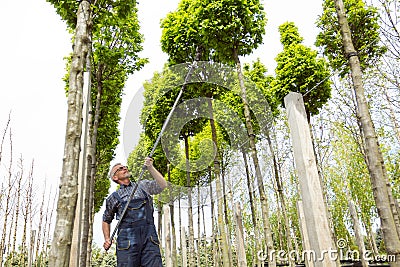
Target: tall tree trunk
199	248
172	219
253	151
204	240
180	229
190	206
376	168
213	225
93	160
167	236
66	205
85	245
217	171
250	189
280	227
226	215
87	174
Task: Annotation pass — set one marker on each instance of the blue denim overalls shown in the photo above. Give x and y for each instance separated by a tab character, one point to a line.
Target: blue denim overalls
137	242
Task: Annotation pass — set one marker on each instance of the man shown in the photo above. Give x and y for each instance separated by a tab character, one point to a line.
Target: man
137	242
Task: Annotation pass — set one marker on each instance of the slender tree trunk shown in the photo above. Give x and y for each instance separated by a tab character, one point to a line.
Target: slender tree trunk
376	168
221	225
199	248
190	206
213	225
250	188
253	151
66	206
281	196
205	243
172	214
92	159
226	215
87	167
280	226
180	228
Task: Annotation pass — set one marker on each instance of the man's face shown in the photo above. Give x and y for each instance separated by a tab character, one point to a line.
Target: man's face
120	173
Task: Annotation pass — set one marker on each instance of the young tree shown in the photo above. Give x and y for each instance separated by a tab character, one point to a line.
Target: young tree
112	28
234	29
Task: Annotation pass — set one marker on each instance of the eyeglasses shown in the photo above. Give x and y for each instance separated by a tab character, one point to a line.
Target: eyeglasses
120	168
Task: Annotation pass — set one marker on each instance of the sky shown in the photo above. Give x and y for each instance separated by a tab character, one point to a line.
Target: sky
34	44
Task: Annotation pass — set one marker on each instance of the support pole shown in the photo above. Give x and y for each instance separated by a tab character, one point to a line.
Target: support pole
321	243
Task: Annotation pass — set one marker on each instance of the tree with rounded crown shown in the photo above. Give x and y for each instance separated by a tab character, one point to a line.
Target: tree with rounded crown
300	70
107	42
235	28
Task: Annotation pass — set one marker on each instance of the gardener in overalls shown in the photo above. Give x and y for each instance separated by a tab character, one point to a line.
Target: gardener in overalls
137	242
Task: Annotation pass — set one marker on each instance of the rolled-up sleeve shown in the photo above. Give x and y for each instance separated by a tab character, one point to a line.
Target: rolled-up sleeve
111	209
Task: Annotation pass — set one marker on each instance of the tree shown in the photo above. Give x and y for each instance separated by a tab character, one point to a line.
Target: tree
378	175
234	29
116	43
299	70
61	245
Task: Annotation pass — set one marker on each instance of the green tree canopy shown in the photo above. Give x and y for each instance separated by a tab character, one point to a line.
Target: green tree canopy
364	28
300	70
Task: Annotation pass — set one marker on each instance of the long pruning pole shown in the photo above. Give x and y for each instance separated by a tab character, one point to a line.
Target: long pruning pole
188	75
